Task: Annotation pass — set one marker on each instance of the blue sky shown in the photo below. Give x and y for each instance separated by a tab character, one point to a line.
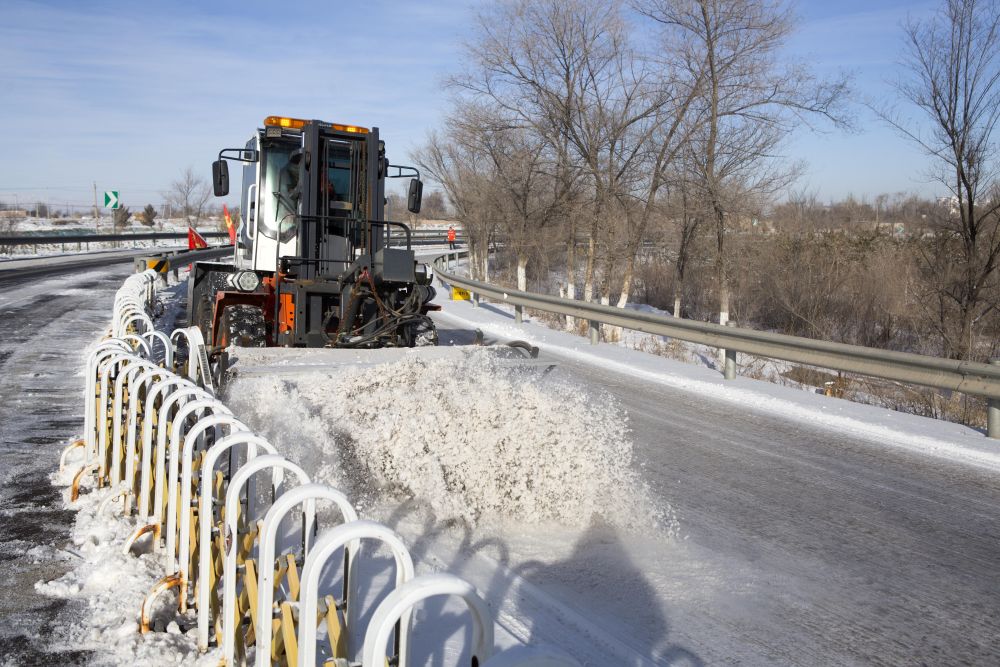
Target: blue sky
127	94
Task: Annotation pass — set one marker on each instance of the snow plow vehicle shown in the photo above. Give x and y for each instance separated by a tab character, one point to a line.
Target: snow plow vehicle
315	264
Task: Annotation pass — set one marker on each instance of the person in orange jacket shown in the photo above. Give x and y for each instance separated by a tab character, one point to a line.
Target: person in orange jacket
451	237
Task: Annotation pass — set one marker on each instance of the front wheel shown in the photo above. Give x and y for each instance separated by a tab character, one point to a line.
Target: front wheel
243	326
420	334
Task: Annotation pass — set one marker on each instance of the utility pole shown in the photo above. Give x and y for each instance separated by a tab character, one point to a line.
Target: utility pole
96	222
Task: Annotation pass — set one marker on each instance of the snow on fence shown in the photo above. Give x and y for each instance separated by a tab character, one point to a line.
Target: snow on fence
154	438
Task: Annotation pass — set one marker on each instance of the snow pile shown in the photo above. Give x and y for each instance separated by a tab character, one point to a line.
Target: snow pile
114	585
468	435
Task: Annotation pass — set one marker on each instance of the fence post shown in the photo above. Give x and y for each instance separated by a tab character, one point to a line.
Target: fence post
993	412
729	370
595	332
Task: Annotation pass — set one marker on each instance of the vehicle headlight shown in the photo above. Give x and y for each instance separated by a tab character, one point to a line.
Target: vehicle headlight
246	281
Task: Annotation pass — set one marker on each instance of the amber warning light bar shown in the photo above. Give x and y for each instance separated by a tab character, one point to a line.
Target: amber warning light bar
298	124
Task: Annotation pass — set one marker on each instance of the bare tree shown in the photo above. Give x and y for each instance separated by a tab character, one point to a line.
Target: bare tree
550	64
953	78
749	101
688	213
528	196
462	170
611	117
189	194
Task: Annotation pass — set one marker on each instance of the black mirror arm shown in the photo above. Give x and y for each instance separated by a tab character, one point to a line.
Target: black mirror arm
239	154
411	172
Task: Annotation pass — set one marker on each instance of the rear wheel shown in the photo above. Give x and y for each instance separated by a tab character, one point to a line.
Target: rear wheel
243	326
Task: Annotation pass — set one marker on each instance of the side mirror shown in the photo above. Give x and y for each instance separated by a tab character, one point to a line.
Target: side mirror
414	196
220	178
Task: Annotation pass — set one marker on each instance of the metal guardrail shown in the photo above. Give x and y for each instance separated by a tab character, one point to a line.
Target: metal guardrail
969	377
419	238
52	239
170	261
426	237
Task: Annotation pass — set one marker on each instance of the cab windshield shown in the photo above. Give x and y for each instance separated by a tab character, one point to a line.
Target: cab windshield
279	192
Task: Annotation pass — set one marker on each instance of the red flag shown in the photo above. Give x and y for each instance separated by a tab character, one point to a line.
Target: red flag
229	225
196	240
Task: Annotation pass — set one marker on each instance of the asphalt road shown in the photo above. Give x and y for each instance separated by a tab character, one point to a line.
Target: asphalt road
45	323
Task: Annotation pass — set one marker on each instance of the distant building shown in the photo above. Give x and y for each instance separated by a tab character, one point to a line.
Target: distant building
951	203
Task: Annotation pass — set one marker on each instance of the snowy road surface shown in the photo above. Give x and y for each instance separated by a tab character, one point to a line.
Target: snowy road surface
44	325
796	545
801	545
826	549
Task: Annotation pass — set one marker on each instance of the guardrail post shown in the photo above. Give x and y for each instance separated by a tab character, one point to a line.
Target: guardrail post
475	300
595	332
993	412
519	314
729	370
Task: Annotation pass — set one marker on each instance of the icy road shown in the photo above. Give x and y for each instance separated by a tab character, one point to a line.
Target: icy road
798	545
794	543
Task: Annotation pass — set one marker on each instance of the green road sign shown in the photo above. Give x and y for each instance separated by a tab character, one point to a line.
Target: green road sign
111	199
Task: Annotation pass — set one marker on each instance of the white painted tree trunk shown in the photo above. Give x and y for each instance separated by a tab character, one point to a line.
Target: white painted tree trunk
571	274
626	288
570	294
522	274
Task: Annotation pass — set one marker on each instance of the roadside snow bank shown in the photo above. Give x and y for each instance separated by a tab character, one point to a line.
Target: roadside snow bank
471	435
114	585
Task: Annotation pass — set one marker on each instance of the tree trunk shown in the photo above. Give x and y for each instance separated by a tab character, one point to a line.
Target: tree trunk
721	274
522	272
571	272
588	276
963	349
627	281
607	273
